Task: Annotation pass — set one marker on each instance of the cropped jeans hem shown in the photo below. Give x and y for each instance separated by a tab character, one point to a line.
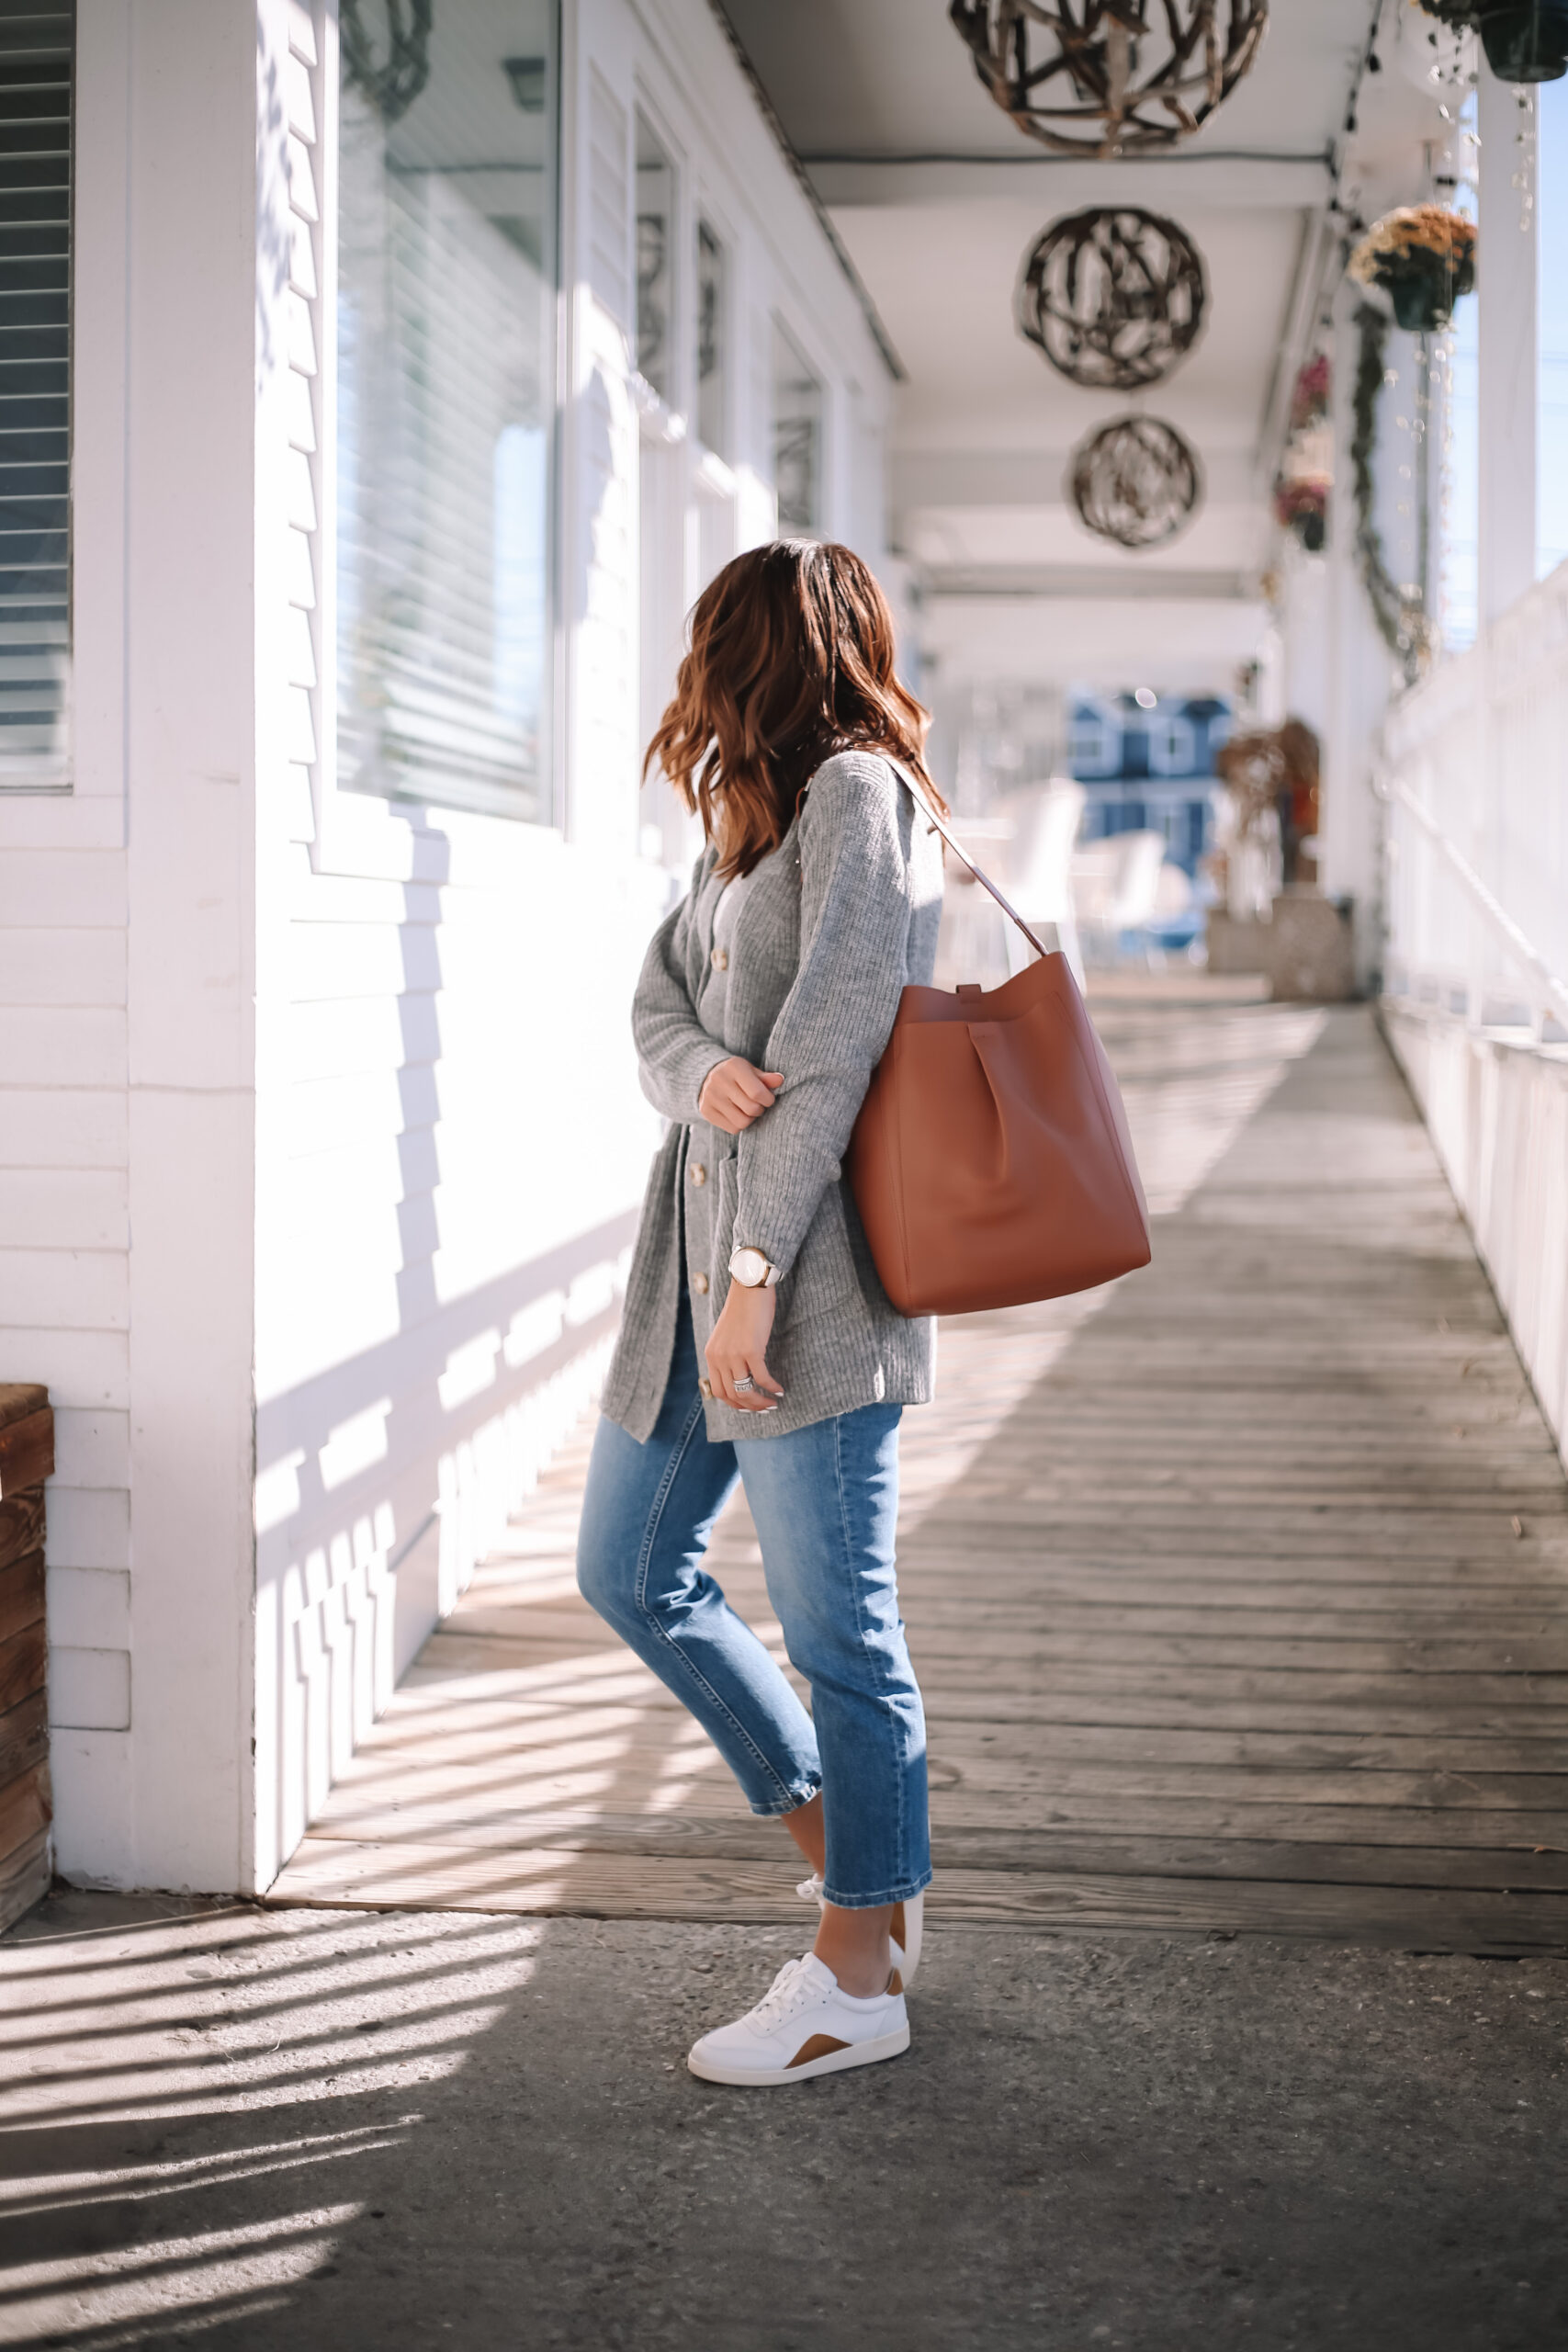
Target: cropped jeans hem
877	1901
791	1803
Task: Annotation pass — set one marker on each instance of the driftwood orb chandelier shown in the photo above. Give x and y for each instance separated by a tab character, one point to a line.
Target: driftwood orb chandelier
392	76
1110	77
1113	297
1135	482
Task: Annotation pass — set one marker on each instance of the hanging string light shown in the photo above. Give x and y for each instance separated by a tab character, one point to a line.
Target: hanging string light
1110	77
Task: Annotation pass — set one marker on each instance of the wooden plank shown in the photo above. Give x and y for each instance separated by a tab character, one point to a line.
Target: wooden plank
21	1594
19	1399
1499	1849
24	1879
411	1740
546	1879
26	1452
21	1526
24	1735
24	1810
22	1664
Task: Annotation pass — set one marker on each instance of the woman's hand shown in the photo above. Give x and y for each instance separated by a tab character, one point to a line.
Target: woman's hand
738	1350
734	1095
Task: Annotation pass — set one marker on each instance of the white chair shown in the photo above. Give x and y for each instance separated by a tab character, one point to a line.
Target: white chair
1037	870
1117	883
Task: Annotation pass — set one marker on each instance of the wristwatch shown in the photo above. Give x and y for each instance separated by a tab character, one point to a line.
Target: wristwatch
750	1268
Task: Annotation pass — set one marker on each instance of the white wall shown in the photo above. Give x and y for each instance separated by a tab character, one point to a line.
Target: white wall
319	1139
1497	1108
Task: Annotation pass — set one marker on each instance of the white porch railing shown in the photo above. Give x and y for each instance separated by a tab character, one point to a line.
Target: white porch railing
1474	782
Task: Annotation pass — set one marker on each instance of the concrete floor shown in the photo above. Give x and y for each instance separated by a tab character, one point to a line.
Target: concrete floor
301	2129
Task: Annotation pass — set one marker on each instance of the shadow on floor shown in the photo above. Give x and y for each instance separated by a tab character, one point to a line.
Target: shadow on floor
270	2131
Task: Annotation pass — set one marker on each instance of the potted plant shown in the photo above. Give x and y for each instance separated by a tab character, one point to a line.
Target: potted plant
1423	257
1301	503
1309	397
1525	40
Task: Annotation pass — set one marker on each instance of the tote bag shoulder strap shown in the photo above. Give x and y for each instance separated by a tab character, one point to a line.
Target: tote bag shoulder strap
940	826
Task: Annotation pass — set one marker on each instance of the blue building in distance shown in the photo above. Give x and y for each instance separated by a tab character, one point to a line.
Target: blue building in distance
1147	763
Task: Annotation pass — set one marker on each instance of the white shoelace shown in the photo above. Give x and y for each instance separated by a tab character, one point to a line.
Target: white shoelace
790	1991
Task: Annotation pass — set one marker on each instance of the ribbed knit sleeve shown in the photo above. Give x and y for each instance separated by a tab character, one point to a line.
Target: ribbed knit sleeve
836	1021
674	1051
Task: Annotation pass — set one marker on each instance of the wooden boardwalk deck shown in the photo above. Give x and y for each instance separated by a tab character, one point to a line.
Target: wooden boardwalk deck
1239	1594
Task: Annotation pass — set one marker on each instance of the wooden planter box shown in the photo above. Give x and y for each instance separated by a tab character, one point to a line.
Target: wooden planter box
26	1458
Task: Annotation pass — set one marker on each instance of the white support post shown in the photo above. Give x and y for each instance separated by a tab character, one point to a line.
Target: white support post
1506	280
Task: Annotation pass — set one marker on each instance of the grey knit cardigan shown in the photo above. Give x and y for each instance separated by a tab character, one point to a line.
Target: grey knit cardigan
832	925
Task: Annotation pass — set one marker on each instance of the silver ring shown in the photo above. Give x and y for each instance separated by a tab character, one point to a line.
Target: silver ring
740	1387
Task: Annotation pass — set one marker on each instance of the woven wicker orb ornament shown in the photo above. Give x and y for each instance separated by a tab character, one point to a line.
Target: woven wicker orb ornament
1113	297
1136	482
1110	77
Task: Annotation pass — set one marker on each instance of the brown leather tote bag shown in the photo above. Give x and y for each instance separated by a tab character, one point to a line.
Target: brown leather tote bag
991	1162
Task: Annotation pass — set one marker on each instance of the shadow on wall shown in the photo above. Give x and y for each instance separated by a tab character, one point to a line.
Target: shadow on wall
383	1477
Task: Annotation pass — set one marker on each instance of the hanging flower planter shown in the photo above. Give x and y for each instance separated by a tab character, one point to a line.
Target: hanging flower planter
1525	40
1301	505
1423	257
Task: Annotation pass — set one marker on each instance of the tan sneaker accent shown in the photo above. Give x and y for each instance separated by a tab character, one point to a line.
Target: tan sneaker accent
821	2046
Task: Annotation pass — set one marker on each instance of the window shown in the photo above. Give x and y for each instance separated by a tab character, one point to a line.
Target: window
1094	742
35	397
1173	746
712	344
446	340
655	242
797	436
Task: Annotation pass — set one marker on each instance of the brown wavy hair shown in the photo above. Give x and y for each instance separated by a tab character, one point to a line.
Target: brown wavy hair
791	659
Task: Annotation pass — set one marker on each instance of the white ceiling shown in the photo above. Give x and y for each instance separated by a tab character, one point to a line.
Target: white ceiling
937	197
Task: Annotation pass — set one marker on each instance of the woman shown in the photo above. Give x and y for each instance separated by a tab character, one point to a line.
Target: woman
757	1342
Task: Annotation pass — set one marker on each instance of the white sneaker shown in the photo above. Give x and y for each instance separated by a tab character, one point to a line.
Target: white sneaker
906	1934
803	2025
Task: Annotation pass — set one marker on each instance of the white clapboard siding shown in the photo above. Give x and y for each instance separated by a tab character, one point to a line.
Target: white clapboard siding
88	1527
89	1609
61	968
62	1046
48	888
75	1290
64	1126
309	326
89	1689
64	1208
91	1448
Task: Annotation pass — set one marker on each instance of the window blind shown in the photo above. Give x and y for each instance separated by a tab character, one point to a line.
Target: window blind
446	393
35	45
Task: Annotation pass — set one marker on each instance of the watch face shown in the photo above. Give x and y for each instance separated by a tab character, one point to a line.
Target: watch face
749	1266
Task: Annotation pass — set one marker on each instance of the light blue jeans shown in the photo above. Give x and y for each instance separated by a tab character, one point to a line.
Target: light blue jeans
825	1503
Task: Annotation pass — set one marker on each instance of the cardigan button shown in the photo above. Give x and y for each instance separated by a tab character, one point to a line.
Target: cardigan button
706	1388
721	959
699	1173
700	1284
